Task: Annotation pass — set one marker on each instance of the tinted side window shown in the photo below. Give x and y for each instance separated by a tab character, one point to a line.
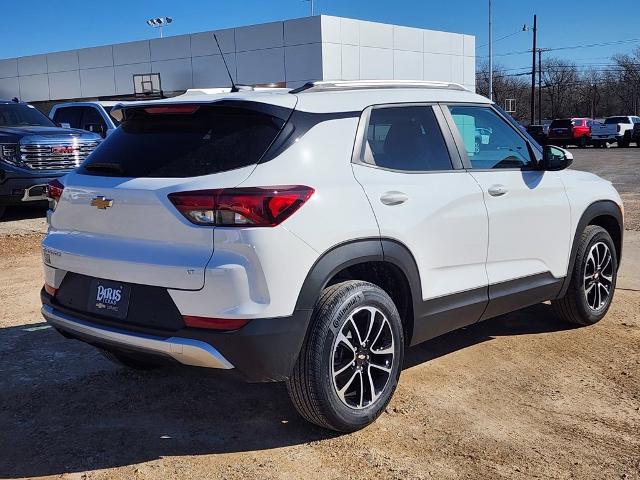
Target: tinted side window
71	116
406	138
488	140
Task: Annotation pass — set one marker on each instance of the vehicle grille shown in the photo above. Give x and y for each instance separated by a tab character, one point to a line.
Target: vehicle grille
58	156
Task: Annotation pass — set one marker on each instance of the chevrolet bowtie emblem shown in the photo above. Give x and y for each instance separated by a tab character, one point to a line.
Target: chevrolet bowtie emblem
101	203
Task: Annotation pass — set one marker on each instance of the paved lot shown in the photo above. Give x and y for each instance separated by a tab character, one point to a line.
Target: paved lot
520	396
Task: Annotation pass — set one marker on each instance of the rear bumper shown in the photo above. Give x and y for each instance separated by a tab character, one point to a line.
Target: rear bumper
264	350
185	350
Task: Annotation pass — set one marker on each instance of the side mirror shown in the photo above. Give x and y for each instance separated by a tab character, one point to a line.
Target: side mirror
555	158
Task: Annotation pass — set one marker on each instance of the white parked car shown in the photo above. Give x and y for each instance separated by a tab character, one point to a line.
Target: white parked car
614	129
311	236
91	116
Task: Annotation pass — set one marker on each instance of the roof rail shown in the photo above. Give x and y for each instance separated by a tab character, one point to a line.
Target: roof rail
333	85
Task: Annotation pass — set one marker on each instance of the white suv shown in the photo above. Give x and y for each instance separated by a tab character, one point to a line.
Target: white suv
313	235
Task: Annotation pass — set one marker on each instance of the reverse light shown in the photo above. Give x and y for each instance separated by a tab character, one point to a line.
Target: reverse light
241	207
226	324
54	191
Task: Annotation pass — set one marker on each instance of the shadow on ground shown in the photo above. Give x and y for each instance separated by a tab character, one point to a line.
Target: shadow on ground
63	408
24	213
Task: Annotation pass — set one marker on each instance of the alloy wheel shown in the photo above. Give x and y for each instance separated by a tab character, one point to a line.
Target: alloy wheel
362	357
598	276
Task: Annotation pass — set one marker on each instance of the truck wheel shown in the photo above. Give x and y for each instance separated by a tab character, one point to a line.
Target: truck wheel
128	361
351	360
593	279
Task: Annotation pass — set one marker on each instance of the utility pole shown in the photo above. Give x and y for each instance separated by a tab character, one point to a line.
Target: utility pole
540	86
490	52
533	71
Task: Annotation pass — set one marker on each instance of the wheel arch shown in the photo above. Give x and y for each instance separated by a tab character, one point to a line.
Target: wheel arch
384	262
606	214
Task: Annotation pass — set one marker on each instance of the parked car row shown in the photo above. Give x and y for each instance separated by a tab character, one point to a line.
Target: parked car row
582	132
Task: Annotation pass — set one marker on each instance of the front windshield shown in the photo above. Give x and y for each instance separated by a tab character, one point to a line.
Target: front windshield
22	115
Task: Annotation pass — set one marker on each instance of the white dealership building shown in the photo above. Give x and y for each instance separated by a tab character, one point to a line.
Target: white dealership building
289	52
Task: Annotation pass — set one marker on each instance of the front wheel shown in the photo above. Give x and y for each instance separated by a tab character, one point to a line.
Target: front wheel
351	361
593	280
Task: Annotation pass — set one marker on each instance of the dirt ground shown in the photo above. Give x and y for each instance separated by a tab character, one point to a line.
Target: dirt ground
519	396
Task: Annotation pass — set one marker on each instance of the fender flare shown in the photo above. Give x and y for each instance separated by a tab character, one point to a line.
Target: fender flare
358	251
596	209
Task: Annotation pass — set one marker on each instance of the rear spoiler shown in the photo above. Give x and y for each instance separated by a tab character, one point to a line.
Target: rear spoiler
192	95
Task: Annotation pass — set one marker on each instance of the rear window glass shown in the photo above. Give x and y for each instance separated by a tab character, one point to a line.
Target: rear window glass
211	139
578	123
561	124
616	120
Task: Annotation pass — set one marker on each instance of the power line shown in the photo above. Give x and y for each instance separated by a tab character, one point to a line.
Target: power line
573	47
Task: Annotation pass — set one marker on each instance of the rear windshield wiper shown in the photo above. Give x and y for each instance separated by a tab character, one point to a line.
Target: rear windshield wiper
105	167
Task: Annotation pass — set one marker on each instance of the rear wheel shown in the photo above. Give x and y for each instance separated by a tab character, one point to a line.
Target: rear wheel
350	363
582	142
129	361
593	280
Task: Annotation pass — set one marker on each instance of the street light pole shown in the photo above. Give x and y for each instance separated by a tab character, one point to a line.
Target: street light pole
159	23
490	52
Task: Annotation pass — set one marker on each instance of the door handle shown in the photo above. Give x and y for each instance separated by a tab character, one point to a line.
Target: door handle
497	190
393	198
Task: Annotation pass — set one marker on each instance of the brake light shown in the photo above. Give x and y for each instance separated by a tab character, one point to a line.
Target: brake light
172	109
54	190
241	207
226	324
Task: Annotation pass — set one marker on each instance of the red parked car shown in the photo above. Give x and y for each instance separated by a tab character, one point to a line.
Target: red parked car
570	131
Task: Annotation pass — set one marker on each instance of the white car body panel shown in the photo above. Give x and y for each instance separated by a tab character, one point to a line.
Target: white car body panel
529	226
338	211
443	223
584	189
247	277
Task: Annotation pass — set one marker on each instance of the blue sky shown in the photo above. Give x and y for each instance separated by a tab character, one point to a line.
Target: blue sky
40	26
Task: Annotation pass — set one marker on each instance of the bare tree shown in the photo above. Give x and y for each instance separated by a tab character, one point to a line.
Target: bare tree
559	79
505	86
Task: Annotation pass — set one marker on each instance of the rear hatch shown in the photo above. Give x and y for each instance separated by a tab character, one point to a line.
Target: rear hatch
114	220
561	129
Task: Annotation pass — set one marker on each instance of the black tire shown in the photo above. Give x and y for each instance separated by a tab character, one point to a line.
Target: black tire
313	387
3	209
129	361
574	307
582	142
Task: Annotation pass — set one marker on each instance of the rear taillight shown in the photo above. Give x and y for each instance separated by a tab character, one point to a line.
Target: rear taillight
54	191
241	207
50	290
226	324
